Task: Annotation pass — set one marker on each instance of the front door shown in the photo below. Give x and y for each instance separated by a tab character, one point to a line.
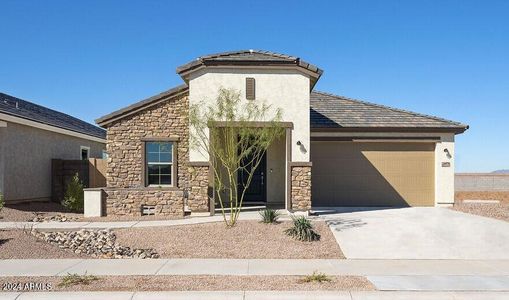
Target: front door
256	192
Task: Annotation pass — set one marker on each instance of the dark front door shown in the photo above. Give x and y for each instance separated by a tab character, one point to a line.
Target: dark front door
256	191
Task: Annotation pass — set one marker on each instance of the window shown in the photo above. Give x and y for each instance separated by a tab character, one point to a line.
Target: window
250	88
159	163
84	152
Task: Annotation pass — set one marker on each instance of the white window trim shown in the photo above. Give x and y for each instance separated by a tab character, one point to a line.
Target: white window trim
85	148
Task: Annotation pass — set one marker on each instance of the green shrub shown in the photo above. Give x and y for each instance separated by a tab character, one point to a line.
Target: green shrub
302	230
269	215
75	279
1	201
74	198
316	277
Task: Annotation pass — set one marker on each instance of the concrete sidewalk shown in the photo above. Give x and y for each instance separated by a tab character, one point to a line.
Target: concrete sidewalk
386	275
255	295
125	224
60	267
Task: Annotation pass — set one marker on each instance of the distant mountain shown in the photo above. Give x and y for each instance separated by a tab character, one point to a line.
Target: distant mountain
505	171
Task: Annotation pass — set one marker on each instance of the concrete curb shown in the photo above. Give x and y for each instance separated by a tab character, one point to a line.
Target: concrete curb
252	295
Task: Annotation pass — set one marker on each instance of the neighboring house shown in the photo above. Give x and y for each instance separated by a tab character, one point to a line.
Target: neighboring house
336	151
30	137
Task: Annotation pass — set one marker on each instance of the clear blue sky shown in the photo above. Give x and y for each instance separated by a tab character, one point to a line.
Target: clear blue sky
445	58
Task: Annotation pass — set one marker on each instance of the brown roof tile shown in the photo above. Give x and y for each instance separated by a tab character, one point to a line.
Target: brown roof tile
332	111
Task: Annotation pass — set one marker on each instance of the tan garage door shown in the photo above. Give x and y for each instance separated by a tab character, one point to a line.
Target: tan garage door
372	174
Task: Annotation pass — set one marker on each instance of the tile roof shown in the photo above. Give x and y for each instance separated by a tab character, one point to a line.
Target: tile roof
27	110
140	104
329	112
332	111
248	57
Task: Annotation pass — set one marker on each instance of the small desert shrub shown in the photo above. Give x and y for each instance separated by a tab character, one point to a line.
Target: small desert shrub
1	202
75	279
316	277
269	215
302	230
74	198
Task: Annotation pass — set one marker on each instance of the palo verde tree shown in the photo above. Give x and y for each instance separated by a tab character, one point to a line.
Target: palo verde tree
234	135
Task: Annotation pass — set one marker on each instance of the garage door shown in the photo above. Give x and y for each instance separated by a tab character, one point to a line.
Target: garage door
372	174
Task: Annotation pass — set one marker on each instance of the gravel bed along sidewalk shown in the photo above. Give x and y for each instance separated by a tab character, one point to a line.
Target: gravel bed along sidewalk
16	244
199	283
248	239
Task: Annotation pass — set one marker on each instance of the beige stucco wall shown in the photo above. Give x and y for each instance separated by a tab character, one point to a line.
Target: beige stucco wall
444	176
27	153
284	89
276	169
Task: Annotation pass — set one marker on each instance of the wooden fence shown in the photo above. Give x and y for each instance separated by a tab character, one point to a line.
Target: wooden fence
91	173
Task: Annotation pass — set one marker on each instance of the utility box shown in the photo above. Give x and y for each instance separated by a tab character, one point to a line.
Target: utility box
94	203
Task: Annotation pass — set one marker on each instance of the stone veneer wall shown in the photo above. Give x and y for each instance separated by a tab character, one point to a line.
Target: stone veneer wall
198	200
301	188
129	201
124	175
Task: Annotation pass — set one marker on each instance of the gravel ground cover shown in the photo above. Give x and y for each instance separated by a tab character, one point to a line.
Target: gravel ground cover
248	239
25	212
198	283
20	245
498	211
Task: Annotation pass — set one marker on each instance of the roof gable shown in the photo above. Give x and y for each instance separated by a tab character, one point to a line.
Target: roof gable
255	58
30	111
140	105
337	112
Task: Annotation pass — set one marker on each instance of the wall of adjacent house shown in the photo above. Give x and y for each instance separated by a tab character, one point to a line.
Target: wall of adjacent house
444	161
3	126
284	89
27	153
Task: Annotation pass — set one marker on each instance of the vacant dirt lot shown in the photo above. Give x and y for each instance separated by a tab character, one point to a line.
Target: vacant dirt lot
203	283
498	211
248	239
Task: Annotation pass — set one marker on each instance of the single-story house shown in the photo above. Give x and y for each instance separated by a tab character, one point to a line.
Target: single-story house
30	137
336	151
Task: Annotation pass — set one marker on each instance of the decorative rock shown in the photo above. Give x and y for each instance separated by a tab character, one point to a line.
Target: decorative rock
92	243
39	217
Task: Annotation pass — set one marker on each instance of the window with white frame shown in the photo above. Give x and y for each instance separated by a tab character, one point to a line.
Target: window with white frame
84	152
159	163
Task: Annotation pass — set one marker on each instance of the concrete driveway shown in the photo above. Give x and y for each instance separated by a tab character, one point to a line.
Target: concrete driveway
419	233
